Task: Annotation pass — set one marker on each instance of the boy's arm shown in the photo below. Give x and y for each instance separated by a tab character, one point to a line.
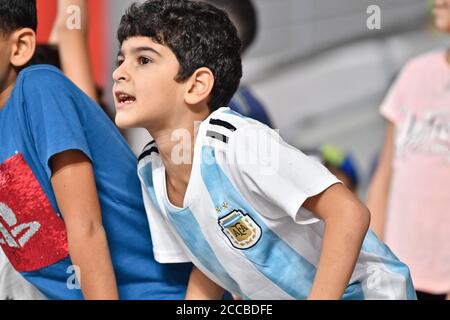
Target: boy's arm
200	287
75	190
346	223
378	194
73	45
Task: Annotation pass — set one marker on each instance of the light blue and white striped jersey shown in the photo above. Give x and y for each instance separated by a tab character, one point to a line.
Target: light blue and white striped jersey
243	224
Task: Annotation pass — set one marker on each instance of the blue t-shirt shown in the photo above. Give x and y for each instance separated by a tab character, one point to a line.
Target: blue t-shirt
46	115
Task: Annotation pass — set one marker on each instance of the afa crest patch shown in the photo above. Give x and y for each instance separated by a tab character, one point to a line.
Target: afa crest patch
242	231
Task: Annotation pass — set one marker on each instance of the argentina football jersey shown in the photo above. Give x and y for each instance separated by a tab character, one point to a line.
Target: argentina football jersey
242	222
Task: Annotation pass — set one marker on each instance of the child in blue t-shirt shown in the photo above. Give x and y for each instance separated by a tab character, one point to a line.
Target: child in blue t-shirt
70	199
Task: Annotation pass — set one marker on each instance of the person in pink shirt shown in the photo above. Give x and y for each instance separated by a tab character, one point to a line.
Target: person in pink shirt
409	195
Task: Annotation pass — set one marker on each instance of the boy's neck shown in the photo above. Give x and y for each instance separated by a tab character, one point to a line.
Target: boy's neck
177	156
7	88
176	149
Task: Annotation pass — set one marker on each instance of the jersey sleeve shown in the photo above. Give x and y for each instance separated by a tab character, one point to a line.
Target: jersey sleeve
166	247
53	106
270	169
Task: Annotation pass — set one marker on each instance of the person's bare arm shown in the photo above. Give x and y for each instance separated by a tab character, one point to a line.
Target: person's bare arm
75	190
73	46
200	287
378	194
346	223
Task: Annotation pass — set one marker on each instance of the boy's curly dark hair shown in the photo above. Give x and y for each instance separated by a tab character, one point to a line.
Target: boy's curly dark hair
199	34
17	14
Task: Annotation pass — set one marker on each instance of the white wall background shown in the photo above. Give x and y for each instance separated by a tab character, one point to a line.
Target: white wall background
290	29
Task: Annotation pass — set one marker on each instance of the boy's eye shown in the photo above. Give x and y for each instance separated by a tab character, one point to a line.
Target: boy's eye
144	60
119	62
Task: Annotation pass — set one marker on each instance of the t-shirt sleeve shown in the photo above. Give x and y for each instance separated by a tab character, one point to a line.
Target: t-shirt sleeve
166	247
394	100
272	170
53	106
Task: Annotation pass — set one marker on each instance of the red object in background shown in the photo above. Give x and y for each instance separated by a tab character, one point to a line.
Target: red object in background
98	13
46	15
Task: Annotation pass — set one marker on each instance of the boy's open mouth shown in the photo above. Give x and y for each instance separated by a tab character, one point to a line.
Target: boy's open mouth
124	98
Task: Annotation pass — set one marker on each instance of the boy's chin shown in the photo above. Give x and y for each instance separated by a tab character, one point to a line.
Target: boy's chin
442	25
123	123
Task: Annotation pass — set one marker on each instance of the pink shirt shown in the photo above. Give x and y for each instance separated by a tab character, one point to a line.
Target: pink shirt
418	222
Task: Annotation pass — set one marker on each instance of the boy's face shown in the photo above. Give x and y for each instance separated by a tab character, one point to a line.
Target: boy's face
16	50
441	12
145	91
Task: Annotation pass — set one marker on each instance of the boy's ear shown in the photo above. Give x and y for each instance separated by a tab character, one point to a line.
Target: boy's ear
199	86
23	47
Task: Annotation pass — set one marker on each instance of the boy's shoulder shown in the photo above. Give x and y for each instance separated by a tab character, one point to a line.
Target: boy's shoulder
48	87
226	124
220	130
42	76
41	70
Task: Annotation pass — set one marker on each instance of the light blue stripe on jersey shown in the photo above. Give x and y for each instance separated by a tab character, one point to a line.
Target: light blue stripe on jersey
232	221
146	174
188	229
271	256
373	245
354	291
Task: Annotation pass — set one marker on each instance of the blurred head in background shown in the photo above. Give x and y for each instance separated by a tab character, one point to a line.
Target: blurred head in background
339	162
243	15
441	11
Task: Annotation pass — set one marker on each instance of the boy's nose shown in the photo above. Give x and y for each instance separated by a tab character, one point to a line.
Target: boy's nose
119	74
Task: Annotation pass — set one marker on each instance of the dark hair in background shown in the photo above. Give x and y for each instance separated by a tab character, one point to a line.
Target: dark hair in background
16	14
46	54
199	34
244	16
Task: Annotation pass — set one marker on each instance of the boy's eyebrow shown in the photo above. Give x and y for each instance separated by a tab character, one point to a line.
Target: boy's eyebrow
139	49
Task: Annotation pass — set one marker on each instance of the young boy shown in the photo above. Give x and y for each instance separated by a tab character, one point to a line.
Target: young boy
280	227
68	187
